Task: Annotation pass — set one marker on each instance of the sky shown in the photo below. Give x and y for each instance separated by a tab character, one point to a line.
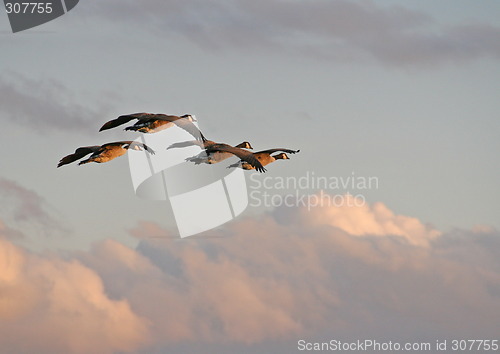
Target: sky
403	92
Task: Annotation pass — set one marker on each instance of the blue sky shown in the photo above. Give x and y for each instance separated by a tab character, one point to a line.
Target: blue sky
402	90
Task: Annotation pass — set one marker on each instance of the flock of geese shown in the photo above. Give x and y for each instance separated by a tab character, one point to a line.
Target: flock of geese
150	123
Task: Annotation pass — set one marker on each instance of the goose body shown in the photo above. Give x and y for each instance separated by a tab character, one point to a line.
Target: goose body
244	155
265	158
152	123
208	158
103	153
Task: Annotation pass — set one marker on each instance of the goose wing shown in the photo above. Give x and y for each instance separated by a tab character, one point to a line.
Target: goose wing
125	119
191	143
78	154
144	146
270	151
181	122
130	144
187	125
242	154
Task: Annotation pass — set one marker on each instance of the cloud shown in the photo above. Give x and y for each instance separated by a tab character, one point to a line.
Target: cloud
356	217
271	280
8	232
340	30
50	305
24	206
45	105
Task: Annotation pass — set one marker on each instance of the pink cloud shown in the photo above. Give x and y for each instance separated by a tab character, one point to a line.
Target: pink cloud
272	279
53	305
357	217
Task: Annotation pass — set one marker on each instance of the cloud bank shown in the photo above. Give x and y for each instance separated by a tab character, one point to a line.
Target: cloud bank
258	284
336	30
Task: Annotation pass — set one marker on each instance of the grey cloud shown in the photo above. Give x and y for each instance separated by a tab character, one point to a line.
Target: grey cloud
9	232
470	246
341	30
44	106
25	207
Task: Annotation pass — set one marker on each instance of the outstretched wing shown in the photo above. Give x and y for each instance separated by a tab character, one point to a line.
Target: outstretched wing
242	154
124	119
270	151
144	146
181	122
184	123
187	144
78	154
188	126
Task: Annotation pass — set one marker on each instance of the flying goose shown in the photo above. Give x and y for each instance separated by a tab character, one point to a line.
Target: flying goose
265	158
203	157
244	155
151	123
103	153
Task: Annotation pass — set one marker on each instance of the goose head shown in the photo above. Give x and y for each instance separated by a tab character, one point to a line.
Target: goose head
189	117
132	146
281	156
